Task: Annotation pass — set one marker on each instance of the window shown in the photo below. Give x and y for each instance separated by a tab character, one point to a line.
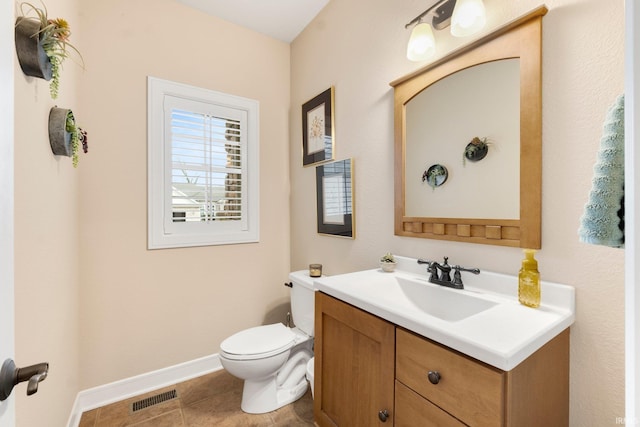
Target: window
203	167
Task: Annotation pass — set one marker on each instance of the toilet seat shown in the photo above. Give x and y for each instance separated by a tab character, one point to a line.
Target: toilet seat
258	342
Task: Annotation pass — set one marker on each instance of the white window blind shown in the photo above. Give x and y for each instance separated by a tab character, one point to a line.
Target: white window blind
206	167
209	178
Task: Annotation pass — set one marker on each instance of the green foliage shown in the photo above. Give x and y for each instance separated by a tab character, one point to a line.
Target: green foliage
54	39
388	257
54	85
473	148
78	136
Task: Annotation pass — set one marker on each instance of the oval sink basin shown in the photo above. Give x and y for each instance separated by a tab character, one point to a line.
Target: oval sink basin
444	303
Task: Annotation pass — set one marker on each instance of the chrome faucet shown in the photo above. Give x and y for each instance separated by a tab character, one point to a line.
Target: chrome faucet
440	274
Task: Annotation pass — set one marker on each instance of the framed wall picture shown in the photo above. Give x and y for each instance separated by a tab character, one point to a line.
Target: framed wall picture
318	129
334	192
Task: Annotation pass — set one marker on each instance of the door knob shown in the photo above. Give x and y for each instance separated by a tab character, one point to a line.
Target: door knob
383	415
10	375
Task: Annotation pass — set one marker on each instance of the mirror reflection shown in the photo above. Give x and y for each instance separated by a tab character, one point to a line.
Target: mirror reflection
482	102
334	192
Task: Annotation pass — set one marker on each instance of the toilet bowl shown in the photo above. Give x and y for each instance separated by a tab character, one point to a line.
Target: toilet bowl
310	367
272	359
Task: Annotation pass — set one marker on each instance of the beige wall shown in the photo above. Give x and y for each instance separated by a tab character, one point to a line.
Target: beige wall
360	48
46	244
144	310
97	305
90	298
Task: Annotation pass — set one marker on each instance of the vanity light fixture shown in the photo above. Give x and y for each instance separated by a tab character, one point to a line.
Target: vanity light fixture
465	17
468	18
422	44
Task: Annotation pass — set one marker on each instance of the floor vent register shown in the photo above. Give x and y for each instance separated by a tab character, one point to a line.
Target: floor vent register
154	400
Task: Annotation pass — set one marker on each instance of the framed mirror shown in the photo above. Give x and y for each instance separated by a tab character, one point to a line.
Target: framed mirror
478	113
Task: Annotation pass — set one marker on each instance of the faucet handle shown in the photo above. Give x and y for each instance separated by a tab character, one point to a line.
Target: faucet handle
468	270
432	268
457	277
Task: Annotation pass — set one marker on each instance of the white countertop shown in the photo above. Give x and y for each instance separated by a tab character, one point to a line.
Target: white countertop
502	336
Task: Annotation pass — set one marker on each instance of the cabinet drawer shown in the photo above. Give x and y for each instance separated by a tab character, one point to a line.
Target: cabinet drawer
469	390
413	410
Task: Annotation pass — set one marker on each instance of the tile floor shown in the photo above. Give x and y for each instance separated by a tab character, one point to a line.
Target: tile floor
210	400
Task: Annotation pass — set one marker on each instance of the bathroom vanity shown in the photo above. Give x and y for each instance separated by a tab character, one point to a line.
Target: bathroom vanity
383	358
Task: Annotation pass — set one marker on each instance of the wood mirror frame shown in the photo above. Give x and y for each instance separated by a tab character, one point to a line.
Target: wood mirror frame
521	38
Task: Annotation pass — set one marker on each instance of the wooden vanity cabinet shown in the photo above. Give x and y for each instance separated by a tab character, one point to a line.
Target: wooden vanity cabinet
365	365
469	390
534	393
354	366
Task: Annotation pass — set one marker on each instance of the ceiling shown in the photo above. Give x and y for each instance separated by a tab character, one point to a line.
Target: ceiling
280	19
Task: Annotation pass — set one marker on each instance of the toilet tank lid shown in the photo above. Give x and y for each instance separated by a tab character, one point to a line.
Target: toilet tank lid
302	278
258	340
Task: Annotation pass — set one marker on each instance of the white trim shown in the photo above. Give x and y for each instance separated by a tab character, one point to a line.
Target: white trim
632	208
158	93
7	136
116	391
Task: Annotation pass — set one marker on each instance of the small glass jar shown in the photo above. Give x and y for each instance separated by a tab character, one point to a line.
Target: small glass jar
315	270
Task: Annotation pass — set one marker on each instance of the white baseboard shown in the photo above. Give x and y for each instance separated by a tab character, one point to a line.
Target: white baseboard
119	390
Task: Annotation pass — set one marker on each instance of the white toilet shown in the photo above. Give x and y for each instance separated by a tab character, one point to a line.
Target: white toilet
272	359
310	374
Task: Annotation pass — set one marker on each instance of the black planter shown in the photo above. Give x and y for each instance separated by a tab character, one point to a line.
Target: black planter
31	56
476	152
59	138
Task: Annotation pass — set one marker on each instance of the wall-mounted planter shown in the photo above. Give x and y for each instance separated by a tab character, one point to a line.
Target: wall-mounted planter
476	150
59	137
31	56
435	176
65	136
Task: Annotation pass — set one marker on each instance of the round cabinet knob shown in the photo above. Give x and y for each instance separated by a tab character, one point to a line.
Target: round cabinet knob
383	415
434	377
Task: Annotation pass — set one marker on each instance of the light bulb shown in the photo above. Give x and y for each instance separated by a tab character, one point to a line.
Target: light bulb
468	18
422	44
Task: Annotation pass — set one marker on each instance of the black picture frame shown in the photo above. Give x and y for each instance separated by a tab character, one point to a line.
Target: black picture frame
318	142
335	201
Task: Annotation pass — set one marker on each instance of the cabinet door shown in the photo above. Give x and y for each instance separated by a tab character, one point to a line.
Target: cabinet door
354	366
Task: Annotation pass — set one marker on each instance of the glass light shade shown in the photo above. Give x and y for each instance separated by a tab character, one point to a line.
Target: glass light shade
468	17
422	44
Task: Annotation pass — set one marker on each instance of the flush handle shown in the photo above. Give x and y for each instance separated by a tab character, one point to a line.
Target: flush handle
288	284
383	415
434	377
10	376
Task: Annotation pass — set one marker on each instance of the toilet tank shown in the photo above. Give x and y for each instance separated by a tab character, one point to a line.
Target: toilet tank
302	301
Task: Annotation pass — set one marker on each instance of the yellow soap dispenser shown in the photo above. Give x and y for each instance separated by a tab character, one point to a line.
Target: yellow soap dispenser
529	281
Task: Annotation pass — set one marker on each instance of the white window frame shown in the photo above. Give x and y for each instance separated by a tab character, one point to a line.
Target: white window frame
162	231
